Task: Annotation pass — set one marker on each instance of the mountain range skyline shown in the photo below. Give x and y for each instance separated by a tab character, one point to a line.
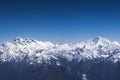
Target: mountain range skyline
59	40
94	59
21	49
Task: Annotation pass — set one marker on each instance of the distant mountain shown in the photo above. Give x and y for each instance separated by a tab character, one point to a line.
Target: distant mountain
33	51
30	59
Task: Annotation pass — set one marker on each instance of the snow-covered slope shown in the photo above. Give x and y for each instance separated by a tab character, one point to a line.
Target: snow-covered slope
34	51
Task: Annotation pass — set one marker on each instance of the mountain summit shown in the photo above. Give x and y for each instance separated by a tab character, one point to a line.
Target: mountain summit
100	39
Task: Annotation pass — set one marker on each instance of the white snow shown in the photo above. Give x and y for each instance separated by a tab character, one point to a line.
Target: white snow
38	51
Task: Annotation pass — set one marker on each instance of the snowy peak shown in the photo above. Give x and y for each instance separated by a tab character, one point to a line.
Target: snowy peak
19	39
22	40
100	40
31	42
94	43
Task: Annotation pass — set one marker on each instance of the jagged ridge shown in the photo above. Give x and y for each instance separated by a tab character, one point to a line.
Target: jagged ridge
34	51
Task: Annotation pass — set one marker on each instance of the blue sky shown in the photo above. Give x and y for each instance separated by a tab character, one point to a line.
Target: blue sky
59	20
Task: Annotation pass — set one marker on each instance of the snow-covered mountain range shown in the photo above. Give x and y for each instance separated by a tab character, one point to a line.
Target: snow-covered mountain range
30	59
33	51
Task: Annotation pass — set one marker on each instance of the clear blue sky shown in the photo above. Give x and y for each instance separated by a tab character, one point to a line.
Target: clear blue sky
59	20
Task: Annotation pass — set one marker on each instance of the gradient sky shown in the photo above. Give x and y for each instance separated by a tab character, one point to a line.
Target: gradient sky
59	20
